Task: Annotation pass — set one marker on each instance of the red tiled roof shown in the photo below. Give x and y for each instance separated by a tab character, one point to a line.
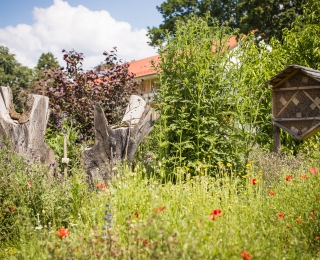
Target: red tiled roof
232	43
144	68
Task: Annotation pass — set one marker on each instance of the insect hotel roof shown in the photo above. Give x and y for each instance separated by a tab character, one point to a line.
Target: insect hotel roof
296	101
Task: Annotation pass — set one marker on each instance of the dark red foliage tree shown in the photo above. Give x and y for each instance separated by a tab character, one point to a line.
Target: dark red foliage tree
73	91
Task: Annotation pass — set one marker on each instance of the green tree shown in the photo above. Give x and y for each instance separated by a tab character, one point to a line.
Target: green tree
301	44
173	10
269	17
14	75
46	61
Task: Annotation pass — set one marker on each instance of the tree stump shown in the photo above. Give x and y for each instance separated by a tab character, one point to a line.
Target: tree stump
27	130
113	145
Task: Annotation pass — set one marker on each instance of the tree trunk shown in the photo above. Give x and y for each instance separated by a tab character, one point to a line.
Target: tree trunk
27	130
113	145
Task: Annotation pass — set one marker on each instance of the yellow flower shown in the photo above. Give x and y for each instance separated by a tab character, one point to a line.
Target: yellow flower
198	162
202	173
244	176
209	156
229	164
248	164
187	169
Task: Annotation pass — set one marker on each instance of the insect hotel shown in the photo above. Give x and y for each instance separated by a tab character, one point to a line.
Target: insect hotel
295	102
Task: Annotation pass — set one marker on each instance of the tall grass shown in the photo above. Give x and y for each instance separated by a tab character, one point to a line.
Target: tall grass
136	216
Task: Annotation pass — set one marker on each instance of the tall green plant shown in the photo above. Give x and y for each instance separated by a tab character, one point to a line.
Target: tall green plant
212	99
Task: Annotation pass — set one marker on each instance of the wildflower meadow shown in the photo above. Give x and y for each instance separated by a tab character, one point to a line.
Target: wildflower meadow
204	184
253	215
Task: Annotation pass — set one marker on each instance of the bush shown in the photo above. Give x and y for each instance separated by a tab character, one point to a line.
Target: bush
212	101
73	91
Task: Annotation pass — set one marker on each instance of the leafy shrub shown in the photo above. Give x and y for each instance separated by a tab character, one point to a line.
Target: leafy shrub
73	91
212	101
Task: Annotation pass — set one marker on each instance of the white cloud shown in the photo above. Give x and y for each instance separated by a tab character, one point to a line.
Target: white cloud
61	26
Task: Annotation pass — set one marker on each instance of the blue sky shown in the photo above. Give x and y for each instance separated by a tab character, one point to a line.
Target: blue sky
139	13
31	27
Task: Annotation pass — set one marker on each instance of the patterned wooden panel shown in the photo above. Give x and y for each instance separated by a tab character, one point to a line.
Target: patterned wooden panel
296	104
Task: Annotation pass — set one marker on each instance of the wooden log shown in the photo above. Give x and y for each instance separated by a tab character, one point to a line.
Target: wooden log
276	138
113	145
27	130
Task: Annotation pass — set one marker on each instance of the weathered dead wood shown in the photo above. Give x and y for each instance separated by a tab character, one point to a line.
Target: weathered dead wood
114	145
26	131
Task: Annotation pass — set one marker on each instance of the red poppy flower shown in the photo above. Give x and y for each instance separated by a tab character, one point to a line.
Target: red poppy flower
101	186
159	209
303	176
11	208
145	243
216	213
288	178
136	215
253	181
299	220
318	237
245	255
280	216
313	170
63	232
271	192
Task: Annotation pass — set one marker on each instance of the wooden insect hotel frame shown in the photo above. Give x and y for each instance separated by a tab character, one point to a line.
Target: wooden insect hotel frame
295	102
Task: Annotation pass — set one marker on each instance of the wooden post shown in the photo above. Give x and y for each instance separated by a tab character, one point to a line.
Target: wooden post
65	159
276	138
154	115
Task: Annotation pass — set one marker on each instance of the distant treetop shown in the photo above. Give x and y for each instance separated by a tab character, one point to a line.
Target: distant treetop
46	61
268	17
